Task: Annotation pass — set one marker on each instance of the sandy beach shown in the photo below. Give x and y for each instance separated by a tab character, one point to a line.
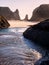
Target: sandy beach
17	23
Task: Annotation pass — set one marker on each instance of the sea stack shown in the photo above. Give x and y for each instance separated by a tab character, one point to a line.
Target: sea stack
16	15
26	18
40	13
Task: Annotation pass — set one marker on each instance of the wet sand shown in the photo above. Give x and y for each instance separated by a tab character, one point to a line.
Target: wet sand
20	23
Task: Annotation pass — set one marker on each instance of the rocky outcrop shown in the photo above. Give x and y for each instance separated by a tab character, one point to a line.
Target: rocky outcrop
40	13
3	22
43	61
26	18
16	15
8	14
39	33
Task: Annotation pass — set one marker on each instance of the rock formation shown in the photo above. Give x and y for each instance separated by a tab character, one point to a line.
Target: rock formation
3	22
40	13
43	61
8	14
39	33
16	15
26	18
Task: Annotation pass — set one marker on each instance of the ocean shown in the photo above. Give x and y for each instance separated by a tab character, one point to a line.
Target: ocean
17	50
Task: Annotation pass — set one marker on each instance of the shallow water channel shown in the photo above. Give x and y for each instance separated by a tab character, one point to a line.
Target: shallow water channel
16	50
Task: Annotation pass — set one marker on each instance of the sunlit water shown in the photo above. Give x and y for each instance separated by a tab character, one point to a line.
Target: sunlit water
16	50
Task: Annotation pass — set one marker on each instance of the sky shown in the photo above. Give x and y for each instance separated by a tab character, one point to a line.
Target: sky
24	6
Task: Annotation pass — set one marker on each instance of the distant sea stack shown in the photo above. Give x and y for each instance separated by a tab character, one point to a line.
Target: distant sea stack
26	18
40	13
16	15
8	14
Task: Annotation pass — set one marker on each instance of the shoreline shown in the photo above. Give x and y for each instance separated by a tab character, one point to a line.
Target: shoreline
17	23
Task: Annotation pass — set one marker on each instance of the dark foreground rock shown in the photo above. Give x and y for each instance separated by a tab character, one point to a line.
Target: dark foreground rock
43	61
39	33
3	22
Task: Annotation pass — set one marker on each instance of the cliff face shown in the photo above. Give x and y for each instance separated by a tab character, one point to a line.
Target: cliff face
8	14
40	13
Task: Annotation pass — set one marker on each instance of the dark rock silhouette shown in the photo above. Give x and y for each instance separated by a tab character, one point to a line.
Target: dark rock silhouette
40	13
8	14
26	18
16	15
3	22
43	61
39	33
